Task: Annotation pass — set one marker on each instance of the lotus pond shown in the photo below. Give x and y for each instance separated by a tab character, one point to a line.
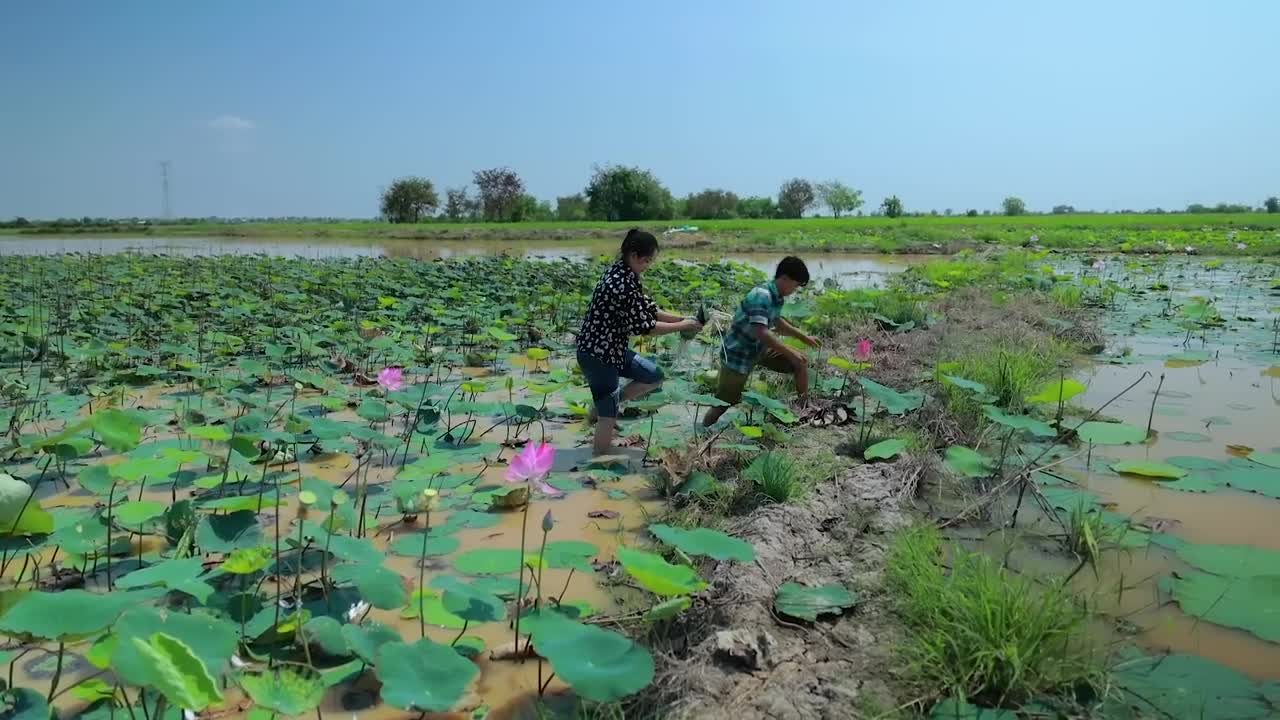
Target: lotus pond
282	486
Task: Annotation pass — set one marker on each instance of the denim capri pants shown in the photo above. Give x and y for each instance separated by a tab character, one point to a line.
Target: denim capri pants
602	378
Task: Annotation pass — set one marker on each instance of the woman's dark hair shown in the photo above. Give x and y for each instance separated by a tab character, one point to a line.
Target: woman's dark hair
794	268
639	242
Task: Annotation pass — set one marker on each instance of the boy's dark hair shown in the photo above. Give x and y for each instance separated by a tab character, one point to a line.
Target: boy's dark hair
639	242
794	268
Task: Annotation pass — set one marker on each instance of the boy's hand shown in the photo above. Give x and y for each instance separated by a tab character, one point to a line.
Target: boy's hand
812	341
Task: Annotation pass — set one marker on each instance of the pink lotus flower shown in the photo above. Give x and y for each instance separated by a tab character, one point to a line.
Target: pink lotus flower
862	352
391	379
533	465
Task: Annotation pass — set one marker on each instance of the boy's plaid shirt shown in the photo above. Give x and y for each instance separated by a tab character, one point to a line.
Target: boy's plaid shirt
761	306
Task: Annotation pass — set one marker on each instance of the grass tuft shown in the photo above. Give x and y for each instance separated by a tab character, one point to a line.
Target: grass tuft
980	632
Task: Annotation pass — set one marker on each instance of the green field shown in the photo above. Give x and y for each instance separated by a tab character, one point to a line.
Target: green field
1173	232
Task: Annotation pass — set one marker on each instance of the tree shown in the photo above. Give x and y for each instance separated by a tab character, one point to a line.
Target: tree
1014	206
408	200
500	192
529	209
1063	209
616	192
571	207
457	204
712	204
971	213
1272	204
892	206
839	197
757	208
794	197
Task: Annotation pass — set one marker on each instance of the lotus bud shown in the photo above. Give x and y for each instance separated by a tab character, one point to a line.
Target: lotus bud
547	522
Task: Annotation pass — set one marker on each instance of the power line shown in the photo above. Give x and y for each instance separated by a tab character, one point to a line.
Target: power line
166	211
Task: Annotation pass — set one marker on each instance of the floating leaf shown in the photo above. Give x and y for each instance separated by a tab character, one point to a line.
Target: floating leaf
953	709
285	690
488	561
382	588
1181	436
564	554
599	665
1107	433
367	639
807	603
968	462
225	533
704	541
471	603
325	633
1058	391
118	429
134	513
425	676
965	383
213	640
1225	560
245	561
885	449
1188	687
1147	468
1249	603
412	545
1026	423
1270	459
68	613
659	576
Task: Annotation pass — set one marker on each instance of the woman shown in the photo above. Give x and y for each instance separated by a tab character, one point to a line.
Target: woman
619	309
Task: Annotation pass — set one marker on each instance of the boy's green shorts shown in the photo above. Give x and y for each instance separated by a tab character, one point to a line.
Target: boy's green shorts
732	382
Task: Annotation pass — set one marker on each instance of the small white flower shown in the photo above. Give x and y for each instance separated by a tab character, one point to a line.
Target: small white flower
1190	250
356	610
1098	264
188	715
1241	246
237	663
1035	238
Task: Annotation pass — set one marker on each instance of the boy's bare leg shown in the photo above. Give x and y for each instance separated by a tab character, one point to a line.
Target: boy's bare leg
801	371
713	414
635	390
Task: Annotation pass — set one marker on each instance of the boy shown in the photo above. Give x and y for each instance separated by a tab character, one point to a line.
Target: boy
750	342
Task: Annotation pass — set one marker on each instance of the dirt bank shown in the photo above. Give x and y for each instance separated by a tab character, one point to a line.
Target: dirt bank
779	668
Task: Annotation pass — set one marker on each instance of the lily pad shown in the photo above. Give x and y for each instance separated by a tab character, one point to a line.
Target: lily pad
1250	603
286	690
1024	423
424	676
599	665
1225	560
885	449
382	588
412	545
325	633
659	576
894	402
367	639
807	603
564	554
211	639
173	669
1058	391
1270	459
1147	468
20	513
69	613
704	541
969	463
1189	687
488	561
1187	437
1105	433
1192	462
1258	479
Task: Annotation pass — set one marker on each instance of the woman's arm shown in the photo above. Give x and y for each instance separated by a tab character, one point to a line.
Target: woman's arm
663	327
664	316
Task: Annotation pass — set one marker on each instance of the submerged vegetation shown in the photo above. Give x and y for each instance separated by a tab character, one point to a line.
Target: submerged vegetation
252	484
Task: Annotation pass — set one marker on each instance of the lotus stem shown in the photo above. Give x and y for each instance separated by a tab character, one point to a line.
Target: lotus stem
524	524
1152	415
57	673
422	573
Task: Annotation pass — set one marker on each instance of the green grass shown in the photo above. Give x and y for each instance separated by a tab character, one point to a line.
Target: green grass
978	631
1208	232
1010	372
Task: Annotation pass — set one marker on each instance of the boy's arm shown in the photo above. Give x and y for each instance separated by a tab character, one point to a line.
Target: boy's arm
787	328
772	342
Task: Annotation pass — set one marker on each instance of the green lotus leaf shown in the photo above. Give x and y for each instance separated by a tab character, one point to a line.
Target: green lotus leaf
118	429
134	513
1058	391
807	603
488	561
1188	687
1257	479
172	574
173	669
325	633
20	512
1107	433
659	576
1187	437
1250	603
424	676
885	449
24	704
213	640
704	541
1196	481
238	503
367	638
965	383
412	545
382	588
69	613
599	665
225	533
565	554
894	402
1148	468
1025	423
286	690
969	463
471	603
246	561
1270	459
1225	560
953	709
1192	462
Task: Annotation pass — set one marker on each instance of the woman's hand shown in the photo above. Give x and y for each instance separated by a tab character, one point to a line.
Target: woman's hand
690	325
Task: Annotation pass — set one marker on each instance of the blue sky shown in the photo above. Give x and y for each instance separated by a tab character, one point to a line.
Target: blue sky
309	108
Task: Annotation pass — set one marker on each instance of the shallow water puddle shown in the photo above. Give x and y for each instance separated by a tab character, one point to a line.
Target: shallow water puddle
1210	335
